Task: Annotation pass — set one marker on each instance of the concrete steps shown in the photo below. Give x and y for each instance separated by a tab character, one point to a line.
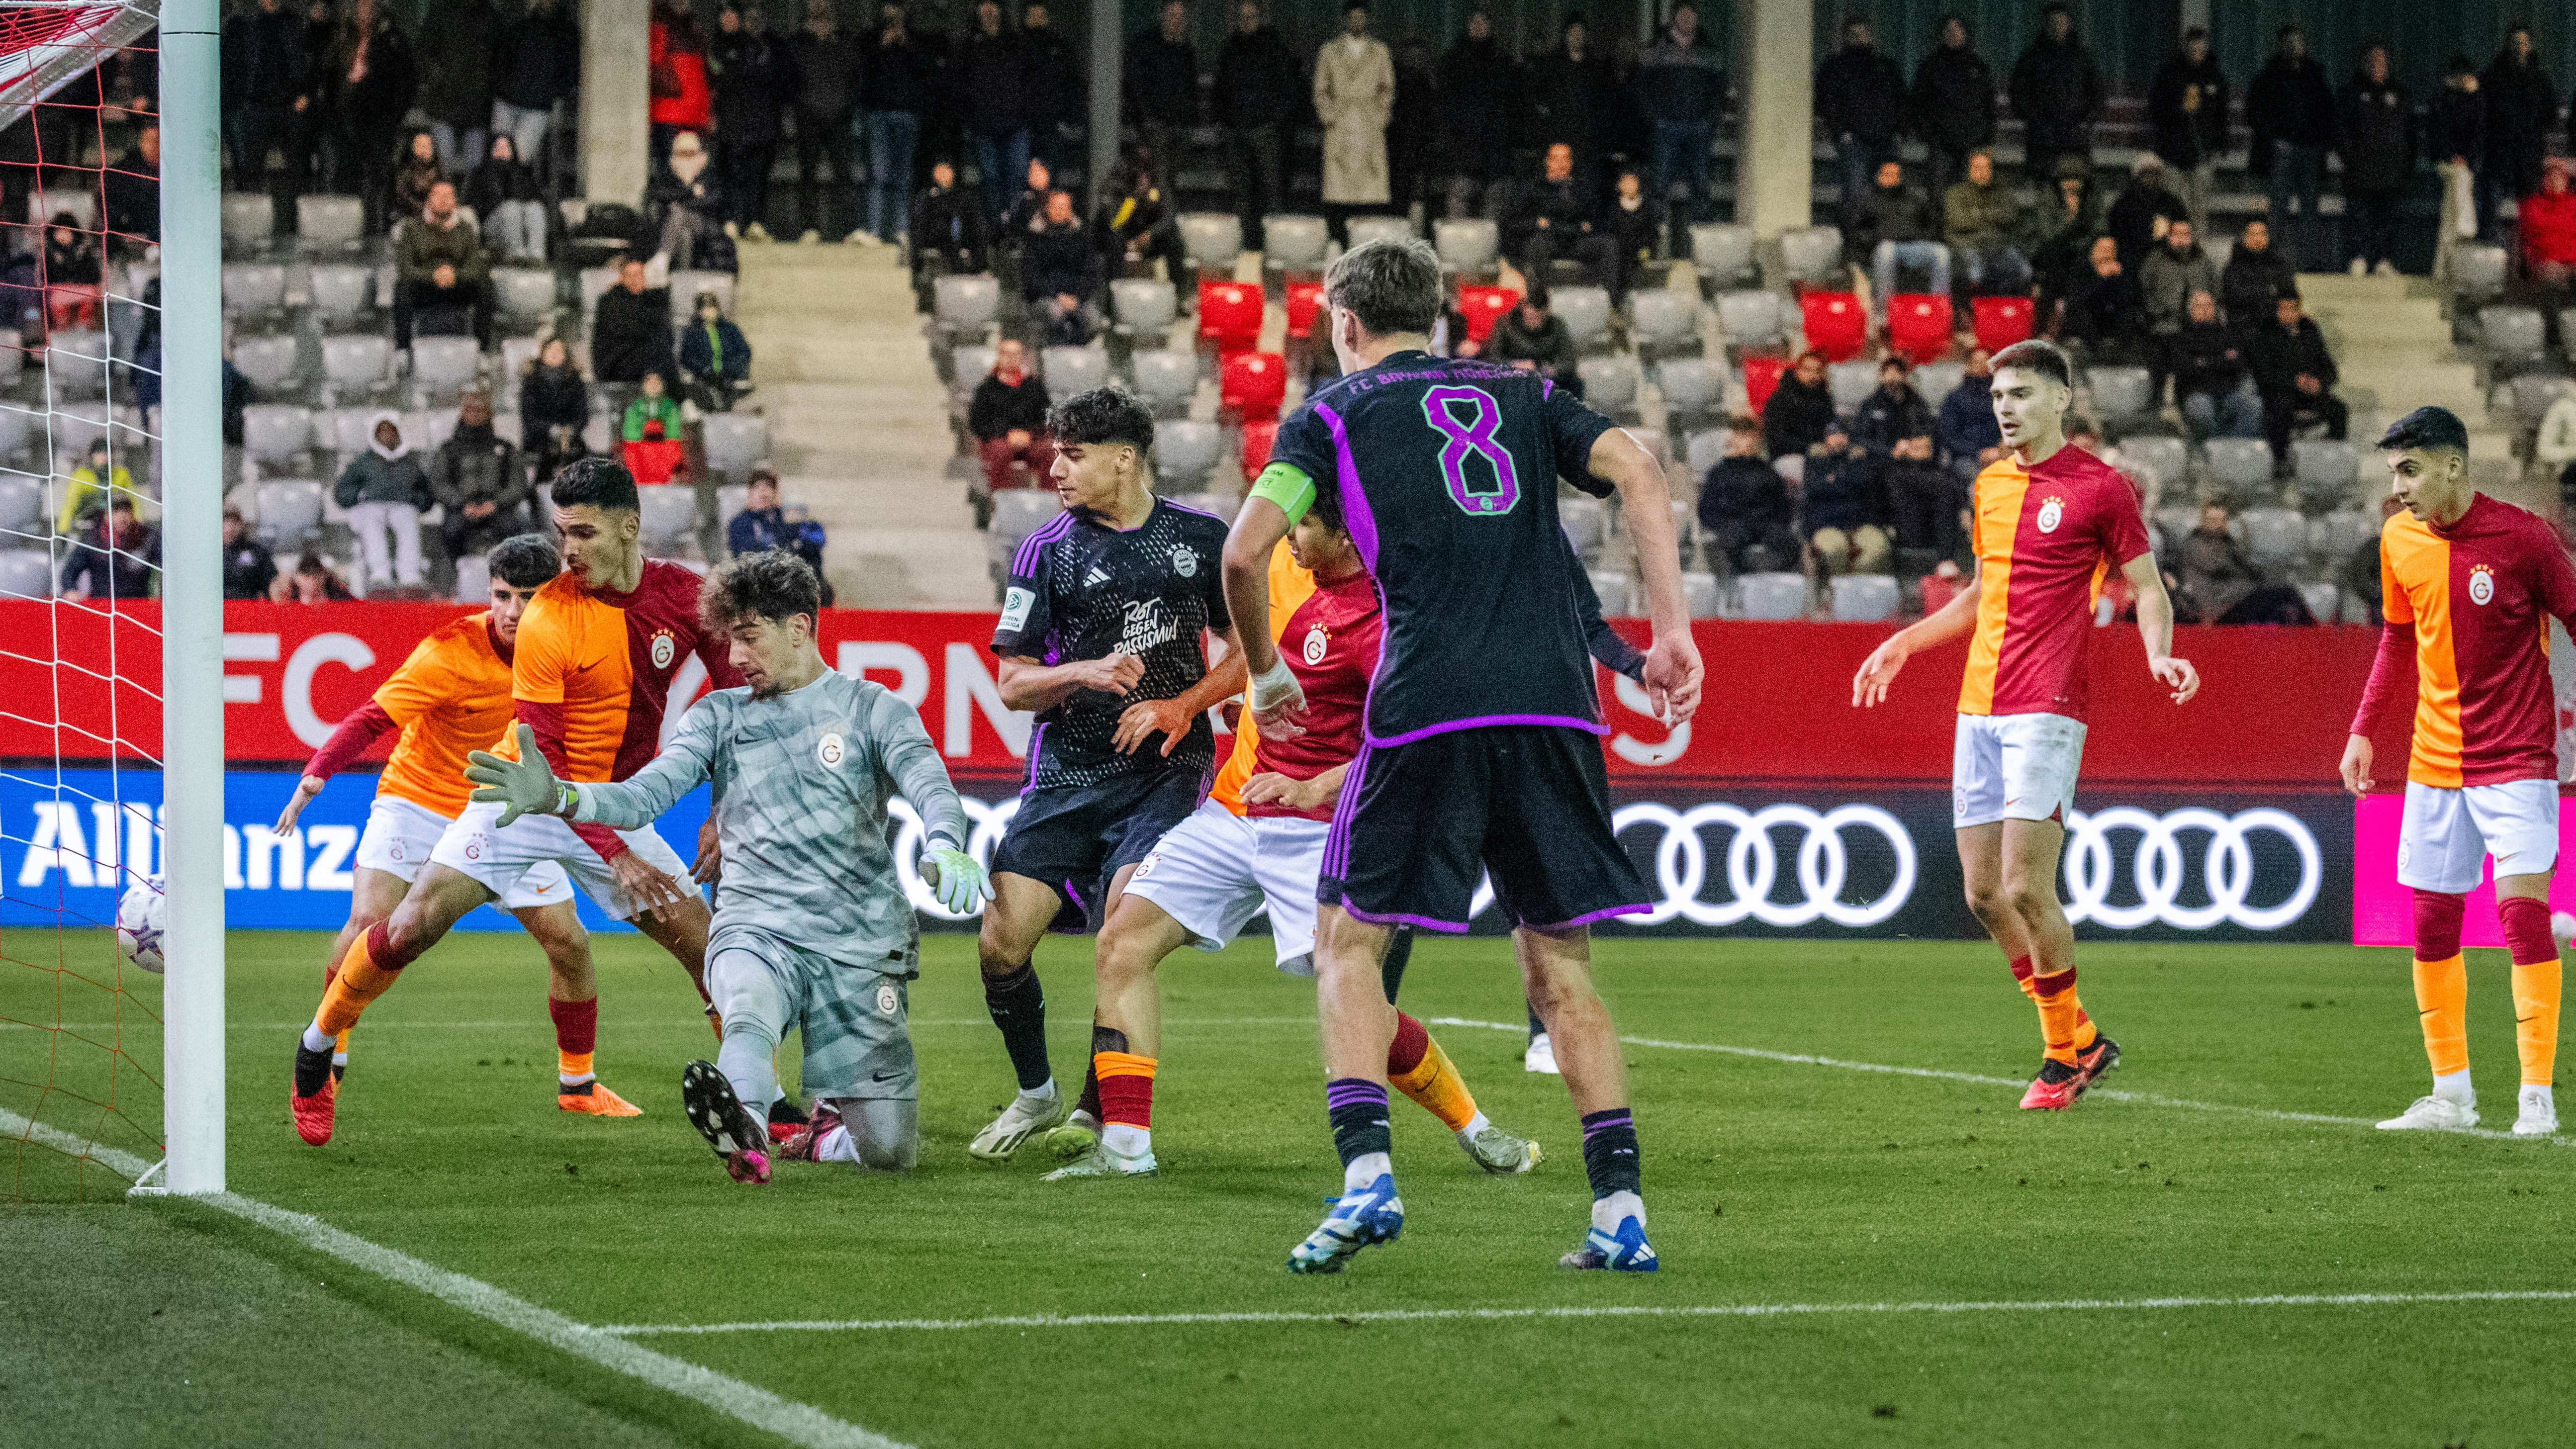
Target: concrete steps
2392	345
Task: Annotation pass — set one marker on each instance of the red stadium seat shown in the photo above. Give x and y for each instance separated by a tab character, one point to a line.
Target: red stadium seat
1485	306
1257	438
1230	315
1251	385
1761	375
1305	305
1938	591
1837	325
1918	325
2002	321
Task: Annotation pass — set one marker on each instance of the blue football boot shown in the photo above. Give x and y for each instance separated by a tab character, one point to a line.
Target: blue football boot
1372	1214
1625	1251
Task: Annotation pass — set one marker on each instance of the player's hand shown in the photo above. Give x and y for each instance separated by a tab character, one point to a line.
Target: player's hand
1272	788
1673	674
1110	674
1278	702
524	786
1878	671
652	892
305	790
2176	675
2356	765
956	879
1148	717
708	868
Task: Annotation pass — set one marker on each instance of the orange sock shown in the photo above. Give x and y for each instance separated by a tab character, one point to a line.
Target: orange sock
2442	997
2055	994
2535	1019
2085	1032
1417	1067
357	983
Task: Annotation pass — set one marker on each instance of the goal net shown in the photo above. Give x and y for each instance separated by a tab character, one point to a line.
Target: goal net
82	486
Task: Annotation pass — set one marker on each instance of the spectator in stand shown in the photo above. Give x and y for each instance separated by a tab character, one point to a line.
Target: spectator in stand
249	568
948	231
2256	276
1630	224
2554	447
1162	85
98	479
1860	97
2107	314
1413	139
752	77
1552	221
1532	338
1355	98
479	481
2143	210
762	524
901	81
1060	274
2548	228
2521	111
652	435
1569	88
313	582
715	358
2296	376
1746	519
73	274
630	328
1137	225
456	75
2170	274
117	556
1889	226
370	76
439	264
509	205
132	191
676	71
822	67
540	64
1794	420
1895	425
416	170
1260	97
2057	91
992	97
2455	135
267	96
2067	223
2378	146
1681	85
554	406
1894	412
1983	225
2291	107
684	205
2212	384
1008	419
385	490
2187	109
1953	102
2220	585
1842	506
1481	95
1967	433
1059	109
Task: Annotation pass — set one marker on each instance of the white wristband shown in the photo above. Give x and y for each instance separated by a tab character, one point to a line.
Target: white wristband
1274	686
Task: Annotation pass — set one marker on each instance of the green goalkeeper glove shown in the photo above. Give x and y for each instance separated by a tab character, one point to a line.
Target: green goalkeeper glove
524	786
955	878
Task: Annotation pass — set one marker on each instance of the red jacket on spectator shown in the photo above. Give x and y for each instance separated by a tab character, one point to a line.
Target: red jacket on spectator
2549	227
690	108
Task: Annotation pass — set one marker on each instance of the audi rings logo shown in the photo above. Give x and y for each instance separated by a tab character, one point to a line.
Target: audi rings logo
984	823
2157	871
1752	864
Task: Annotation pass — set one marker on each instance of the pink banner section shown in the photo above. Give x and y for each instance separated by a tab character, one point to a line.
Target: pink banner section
2383	912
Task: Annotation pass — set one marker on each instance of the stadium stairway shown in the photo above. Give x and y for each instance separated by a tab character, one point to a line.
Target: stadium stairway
2392	346
857	423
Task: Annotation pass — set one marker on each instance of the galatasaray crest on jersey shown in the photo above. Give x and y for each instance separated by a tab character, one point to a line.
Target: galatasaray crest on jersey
1316	643
2481	584
665	649
829	751
2051	513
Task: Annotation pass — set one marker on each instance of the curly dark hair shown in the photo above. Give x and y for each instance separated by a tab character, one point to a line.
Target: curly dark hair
1102	415
772	585
599	481
525	561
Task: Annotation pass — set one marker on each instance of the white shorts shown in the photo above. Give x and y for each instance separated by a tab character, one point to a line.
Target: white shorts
500	857
2448	834
2014	767
402	834
1216	870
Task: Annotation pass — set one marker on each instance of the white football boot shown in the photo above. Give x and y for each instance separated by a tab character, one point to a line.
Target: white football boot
1541	1056
2433	1114
1028	1112
2539	1117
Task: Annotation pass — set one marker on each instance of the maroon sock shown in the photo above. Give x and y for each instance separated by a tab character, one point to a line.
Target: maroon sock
1412	1042
2437	924
576	1025
2526	929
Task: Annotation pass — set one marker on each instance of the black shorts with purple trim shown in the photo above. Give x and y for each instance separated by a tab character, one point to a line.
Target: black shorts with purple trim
1420	822
1075	838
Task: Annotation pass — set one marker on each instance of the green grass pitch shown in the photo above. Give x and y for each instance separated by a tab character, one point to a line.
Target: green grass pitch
1769	1182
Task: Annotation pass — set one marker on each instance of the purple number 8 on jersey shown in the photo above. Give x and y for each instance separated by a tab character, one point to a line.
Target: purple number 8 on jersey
1473	436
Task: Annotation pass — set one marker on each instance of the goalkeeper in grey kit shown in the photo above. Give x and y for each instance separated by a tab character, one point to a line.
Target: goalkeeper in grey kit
812	928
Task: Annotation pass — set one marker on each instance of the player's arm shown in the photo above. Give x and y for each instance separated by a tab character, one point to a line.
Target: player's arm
1035	687
1171	718
1672	674
1951	620
2156	625
914	768
1278	499
364	726
1606	645
528	785
1270	787
2392	675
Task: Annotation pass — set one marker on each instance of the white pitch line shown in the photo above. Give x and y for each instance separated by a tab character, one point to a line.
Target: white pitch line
794	1422
1718	1310
2112	1094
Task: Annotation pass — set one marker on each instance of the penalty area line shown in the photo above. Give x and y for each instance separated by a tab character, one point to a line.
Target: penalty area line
796	1423
1719	1310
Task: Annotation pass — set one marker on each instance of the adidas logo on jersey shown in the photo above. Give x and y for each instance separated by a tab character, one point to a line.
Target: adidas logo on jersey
1094	578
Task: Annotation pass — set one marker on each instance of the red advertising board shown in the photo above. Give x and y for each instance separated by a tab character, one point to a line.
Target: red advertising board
2272	712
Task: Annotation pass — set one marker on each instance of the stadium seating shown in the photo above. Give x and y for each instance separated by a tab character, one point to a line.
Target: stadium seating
1184	452
1229	315
1723	254
1761	376
1694	391
1019	512
473	579
1223	505
670	513
1366	229
1257	440
1251	386
1702	450
1836	324
1664	323
735	442
1143	310
1613	591
22	511
1774	595
1918	325
1070	370
2000	321
2514	338
2534	394
1585	312
1484	306
516	354
269	362
357	362
1470	246
962	308
1749	319
2336	536
441	367
276	434
341	291
1167	381
1813	254
1702	596
2325	467
326	224
1851	383
2240	464
17	430
1211	240
1295	244
253	287
26	573
77	425
523	294
1305	304
250	219
1864	598
1610	387
2161	459
290	511
685	287
2477	273
76	364
1937	380
2324	600
2276	539
2120	392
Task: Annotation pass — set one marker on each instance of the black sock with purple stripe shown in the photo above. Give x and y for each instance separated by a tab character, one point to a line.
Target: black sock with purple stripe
1018	1006
1358	1110
1610	1152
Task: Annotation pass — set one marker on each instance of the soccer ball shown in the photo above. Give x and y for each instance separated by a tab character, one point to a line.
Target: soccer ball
140	918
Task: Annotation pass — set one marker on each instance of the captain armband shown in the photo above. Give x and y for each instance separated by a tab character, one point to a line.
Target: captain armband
1286	485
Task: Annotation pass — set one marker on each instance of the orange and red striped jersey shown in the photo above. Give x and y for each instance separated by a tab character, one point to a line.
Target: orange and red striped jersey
592	671
2044	537
2480	595
1330	636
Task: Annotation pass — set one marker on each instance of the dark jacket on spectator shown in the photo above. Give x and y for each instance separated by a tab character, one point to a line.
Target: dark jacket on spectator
132	188
457	66
1566	97
1053	79
497	181
1882	214
1954	99
75	262
2278	357
2521	110
750	73
1682	84
2456	125
2253	281
1744	500
1258	82
1560	202
720	354
249	568
2216	575
551	397
122	569
2206	357
1550	345
824	73
1885	420
426	246
1634	230
540	57
900	77
1861	93
1794	419
1481	94
1843	490
1132	217
2132	218
1162	79
999	407
264	63
2107	309
1967	424
950	221
2057	90
2167	279
630	334
2378	141
2290	100
992	84
1061	263
2187	106
475	466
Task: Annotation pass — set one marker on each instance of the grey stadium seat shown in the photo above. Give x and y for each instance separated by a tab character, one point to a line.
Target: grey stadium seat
1864	598
473	579
76	364
17	430
290	509
26	573
731	498
1664	322
1143	307
2275	538
77	425
22	510
1703	451
267	361
1211	240
735	441
357	360
1585	311
1294	242
1723	253
1851	382
2120	392
1693	391
82	203
1069	370
2534	394
1813	253
1609	386
2239	463
443	366
1183	454
595	282
1702	596
330	221
1774	596
2324	463
1167	381
516	354
2339	535
2515	333
2161	458
1365	229
1586	522
2323	600
1749	319
1469	245
249	220
347	431
340	290
253	287
965	304
670	517
974	362
2477	272
1613	590
1935	381
525	294
1019	512
685	287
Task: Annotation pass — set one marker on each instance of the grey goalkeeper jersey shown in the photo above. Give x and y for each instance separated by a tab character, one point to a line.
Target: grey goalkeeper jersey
801	785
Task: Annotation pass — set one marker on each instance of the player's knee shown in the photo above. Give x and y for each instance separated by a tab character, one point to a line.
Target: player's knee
1986	900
